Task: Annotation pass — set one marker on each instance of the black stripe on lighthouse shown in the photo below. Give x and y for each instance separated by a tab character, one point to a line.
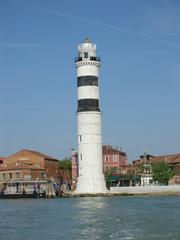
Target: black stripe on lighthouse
87	81
88	104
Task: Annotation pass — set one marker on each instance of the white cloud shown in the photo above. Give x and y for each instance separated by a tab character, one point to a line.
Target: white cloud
152	17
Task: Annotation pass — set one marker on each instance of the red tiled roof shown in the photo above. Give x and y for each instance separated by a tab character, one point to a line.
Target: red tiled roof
26	164
2	159
35	153
172	158
169	158
107	149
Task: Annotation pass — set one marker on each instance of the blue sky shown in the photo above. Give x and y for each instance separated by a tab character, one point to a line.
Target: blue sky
139	45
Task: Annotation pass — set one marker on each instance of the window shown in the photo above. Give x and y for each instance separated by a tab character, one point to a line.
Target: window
10	175
17	175
123	171
107	169
85	55
80	156
106	158
114	170
80	138
114	158
4	176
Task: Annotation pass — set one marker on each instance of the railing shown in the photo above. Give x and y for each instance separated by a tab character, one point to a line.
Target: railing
95	59
79	59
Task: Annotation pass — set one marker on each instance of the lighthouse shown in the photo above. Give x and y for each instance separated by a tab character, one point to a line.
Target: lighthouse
89	137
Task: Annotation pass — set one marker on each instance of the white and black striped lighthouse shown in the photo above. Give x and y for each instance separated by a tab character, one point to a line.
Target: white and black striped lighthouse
90	177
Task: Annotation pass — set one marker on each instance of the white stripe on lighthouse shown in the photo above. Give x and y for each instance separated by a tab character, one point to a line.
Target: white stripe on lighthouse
88	69
88	92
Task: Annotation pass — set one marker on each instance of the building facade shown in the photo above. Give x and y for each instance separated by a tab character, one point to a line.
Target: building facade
114	160
27	165
143	166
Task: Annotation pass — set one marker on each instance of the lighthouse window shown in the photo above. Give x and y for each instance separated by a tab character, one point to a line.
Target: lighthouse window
80	156
80	138
85	55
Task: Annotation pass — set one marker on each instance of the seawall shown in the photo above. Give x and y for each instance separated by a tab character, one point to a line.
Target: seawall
132	191
140	190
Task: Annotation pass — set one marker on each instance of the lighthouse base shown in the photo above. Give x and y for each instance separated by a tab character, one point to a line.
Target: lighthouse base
85	185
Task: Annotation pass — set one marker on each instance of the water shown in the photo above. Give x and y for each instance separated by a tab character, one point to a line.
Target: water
122	218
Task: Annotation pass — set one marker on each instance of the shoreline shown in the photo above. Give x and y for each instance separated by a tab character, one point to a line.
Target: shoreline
170	190
77	195
89	195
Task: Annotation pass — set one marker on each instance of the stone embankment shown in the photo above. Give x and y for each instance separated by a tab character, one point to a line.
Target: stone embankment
147	190
132	191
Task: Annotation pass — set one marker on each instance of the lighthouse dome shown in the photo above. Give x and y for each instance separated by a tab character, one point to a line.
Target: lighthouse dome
87	40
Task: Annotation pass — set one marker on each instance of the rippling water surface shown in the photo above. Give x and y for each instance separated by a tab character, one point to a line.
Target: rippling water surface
122	218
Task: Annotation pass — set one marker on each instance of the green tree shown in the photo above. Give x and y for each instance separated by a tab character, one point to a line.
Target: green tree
161	172
140	169
65	167
108	175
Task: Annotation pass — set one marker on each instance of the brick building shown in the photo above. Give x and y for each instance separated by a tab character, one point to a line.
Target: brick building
114	160
28	165
143	166
2	160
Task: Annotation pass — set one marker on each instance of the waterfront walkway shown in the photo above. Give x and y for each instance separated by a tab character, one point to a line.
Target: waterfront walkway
170	189
131	191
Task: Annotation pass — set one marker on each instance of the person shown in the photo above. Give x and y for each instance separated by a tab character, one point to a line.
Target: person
61	193
69	186
17	187
38	188
2	189
35	191
24	191
56	189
